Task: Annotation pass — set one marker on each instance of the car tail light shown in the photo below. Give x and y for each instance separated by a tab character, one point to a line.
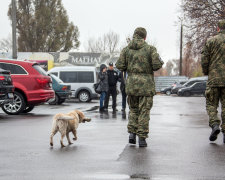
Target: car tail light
2	78
64	88
44	82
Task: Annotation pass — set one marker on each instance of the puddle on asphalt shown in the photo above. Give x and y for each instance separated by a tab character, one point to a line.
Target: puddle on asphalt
93	108
140	176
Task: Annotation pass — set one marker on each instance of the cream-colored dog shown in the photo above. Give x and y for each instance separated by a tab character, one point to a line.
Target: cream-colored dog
66	123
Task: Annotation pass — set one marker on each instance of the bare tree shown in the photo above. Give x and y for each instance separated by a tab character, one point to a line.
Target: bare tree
112	40
169	68
108	43
198	68
201	19
176	67
6	44
161	72
188	61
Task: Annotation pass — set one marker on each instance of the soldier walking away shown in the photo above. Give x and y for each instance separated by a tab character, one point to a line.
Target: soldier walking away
213	65
139	60
113	77
104	86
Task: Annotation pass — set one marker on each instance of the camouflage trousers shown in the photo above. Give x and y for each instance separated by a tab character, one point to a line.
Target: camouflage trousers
214	95
139	114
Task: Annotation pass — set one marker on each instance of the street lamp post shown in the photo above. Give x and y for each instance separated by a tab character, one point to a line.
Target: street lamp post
14	48
181	48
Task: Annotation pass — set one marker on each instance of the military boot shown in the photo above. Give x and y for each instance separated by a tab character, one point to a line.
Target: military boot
142	142
132	138
214	133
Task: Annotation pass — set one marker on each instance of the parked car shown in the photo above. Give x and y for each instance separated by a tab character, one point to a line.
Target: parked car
190	82
62	90
197	88
167	90
6	87
32	85
81	79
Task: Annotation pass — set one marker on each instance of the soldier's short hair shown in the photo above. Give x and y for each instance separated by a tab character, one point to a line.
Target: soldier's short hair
221	24
141	32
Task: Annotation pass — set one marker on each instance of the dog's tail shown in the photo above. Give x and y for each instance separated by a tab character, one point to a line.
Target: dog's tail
63	117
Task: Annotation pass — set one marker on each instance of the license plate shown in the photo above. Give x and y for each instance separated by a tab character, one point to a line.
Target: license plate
10	95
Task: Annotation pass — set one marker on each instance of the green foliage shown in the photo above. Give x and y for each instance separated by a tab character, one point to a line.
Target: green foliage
43	26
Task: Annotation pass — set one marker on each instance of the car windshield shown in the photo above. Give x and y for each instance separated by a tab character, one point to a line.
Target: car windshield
56	78
40	69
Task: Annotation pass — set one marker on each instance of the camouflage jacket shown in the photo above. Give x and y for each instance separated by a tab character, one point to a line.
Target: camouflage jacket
139	60
213	60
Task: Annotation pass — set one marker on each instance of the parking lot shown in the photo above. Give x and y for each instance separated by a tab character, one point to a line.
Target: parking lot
178	147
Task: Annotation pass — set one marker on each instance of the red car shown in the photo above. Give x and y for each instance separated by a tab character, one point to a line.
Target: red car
32	85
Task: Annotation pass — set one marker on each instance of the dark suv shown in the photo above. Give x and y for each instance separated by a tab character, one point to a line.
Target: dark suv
189	83
197	88
6	87
32	85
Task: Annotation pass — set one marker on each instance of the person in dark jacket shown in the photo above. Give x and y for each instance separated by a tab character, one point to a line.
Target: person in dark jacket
113	77
103	77
123	76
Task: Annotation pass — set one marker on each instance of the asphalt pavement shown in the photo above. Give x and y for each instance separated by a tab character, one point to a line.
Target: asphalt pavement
178	145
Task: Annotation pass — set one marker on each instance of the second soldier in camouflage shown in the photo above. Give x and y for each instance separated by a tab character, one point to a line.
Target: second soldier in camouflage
213	65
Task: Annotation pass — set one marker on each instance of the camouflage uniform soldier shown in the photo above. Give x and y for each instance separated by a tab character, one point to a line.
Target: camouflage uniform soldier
213	65
139	60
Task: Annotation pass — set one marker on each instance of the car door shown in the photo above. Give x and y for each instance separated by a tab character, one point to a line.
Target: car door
203	88
196	88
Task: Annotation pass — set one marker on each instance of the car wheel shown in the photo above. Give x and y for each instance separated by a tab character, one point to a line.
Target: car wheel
55	101
168	93
84	96
187	94
28	109
17	106
61	101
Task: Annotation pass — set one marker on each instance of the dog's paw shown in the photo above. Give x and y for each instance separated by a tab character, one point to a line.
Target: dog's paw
70	143
75	138
51	144
62	146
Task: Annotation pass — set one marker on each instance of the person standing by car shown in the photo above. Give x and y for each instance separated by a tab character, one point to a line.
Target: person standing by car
213	65
123	76
104	85
139	60
113	78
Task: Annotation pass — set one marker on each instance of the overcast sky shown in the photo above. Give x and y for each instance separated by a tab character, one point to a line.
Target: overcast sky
96	17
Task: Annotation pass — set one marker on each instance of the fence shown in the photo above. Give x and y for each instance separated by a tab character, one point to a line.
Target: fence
166	81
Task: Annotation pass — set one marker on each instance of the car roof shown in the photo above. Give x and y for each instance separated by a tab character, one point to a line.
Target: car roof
17	61
72	68
203	78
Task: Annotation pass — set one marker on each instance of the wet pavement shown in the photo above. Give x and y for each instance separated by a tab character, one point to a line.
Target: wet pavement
178	147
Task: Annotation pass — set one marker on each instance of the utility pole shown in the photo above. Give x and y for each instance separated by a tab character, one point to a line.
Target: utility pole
14	55
181	47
